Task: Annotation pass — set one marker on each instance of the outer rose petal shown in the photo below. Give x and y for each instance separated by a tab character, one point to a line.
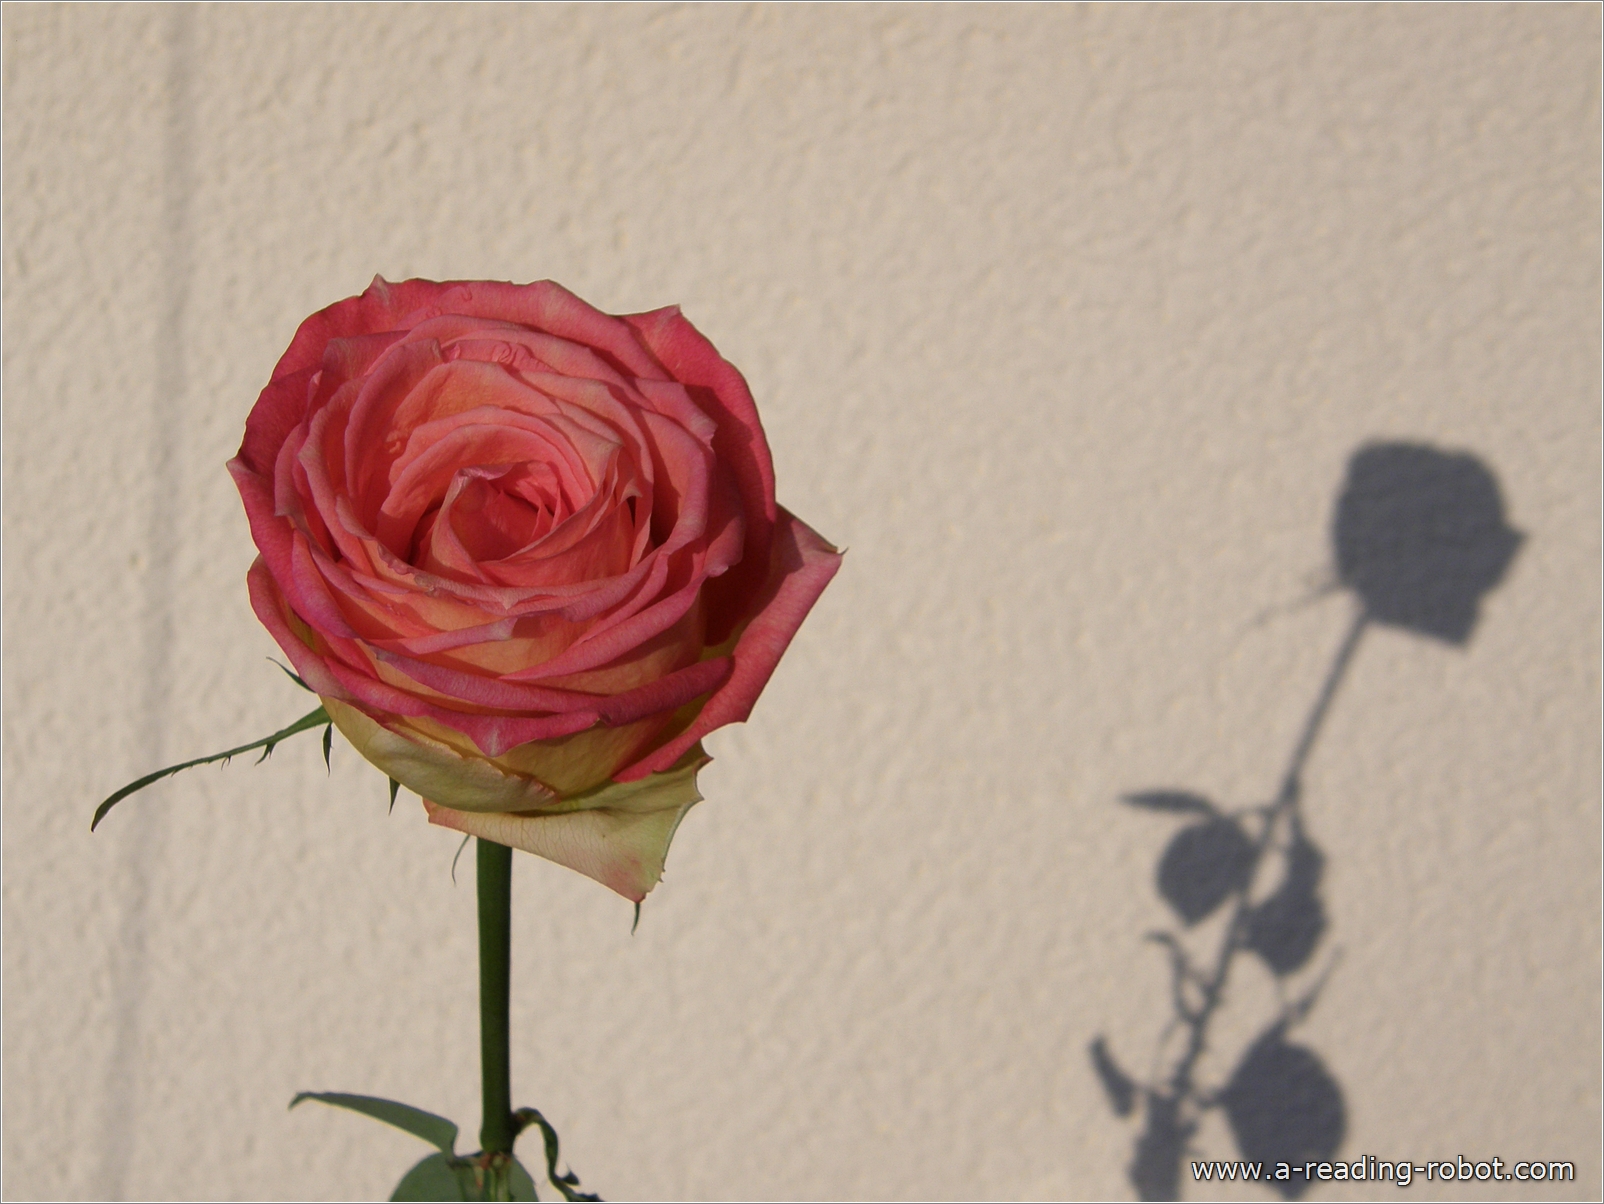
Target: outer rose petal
801	565
617	834
739	443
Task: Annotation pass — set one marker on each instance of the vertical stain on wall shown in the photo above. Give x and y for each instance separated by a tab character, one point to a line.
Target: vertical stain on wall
145	841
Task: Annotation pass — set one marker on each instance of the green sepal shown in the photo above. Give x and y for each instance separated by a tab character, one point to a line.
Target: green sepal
395	788
316	718
294	676
436	1130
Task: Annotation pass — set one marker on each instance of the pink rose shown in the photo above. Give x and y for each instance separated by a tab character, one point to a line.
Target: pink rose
527	553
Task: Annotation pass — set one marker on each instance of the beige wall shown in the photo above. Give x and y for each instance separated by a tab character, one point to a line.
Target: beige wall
1066	321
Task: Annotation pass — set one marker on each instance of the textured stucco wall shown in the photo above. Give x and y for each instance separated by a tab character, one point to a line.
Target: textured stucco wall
1065	321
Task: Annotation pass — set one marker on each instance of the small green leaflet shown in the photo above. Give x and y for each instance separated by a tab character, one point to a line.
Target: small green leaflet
436	1130
316	718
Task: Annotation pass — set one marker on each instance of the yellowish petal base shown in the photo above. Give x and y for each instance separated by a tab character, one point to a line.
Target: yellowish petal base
617	833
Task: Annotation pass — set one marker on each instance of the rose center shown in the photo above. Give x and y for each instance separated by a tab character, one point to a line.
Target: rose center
496	510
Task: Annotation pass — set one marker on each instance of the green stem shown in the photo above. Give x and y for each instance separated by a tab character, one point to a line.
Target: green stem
495	976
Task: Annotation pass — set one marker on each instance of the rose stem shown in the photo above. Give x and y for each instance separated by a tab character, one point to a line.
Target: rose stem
495	974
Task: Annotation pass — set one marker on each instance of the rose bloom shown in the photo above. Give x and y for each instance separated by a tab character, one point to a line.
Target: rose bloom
527	553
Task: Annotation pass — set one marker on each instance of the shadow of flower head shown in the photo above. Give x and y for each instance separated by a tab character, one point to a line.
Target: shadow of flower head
1420	536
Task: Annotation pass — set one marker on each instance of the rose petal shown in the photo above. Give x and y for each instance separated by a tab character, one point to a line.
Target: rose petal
722	393
802	566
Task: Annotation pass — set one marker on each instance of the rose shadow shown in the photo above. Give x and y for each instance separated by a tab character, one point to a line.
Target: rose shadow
1419	536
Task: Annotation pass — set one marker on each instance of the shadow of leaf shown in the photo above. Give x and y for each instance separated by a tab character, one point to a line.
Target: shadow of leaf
1203	864
1175	802
1119	1086
1284	1106
1285	928
1156	1169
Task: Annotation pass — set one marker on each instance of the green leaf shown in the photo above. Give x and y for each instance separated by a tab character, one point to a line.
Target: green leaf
316	718
328	744
436	1130
437	1177
567	1184
395	787
521	1182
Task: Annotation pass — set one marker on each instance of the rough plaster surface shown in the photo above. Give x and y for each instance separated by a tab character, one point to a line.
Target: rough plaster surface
1065	321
